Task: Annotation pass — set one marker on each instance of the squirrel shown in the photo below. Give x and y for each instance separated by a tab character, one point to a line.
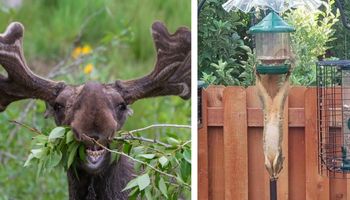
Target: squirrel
273	125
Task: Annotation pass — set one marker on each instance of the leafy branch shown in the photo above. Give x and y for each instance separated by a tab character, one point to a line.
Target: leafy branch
166	168
139	161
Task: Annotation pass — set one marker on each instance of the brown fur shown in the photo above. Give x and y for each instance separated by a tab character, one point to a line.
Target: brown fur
273	109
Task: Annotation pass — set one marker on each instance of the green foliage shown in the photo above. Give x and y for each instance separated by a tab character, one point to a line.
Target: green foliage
57	149
341	46
314	32
174	163
165	169
122	48
221	45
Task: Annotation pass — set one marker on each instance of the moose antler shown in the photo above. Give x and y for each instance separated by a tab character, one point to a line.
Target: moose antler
21	82
172	72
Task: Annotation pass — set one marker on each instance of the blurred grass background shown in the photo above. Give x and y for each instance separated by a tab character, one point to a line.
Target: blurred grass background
118	32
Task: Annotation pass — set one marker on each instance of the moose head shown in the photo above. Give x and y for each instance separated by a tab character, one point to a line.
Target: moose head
96	110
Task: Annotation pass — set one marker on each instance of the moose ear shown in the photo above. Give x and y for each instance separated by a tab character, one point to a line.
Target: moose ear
172	72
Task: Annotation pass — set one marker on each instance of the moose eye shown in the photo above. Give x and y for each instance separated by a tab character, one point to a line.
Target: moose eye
121	107
57	107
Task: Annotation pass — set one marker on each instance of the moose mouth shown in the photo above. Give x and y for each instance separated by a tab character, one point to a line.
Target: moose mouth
94	157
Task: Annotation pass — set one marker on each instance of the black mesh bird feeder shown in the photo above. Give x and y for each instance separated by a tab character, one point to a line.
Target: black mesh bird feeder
333	101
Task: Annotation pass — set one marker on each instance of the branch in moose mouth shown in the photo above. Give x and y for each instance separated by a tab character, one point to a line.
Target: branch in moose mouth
32	129
129	134
139	161
187	186
160	125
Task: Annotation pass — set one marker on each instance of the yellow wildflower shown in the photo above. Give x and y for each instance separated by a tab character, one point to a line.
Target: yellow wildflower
86	49
76	52
88	68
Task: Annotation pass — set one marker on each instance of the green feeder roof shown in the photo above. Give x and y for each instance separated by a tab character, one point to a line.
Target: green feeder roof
272	23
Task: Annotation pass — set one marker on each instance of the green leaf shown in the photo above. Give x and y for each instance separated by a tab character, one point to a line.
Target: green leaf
163	188
82	153
187	156
54	158
69	137
173	141
131	184
147	156
127	148
148	193
40	139
40	166
28	161
72	154
133	194
179	179
143	181
185	169
38	153
163	161
57	132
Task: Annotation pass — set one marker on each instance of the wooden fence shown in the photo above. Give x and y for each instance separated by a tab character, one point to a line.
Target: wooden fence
231	162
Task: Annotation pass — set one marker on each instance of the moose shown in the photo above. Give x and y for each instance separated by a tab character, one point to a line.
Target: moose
96	110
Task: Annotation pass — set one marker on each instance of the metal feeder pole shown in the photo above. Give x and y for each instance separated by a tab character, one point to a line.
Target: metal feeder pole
273	189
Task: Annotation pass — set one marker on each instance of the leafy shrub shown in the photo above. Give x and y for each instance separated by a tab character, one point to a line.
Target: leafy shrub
314	32
341	46
221	45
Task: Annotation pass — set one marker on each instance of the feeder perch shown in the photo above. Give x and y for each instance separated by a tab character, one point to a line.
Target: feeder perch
333	101
272	44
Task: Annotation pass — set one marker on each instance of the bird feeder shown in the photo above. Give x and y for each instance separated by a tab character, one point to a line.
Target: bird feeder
333	101
272	38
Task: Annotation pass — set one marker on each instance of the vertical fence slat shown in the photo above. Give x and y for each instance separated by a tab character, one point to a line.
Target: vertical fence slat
338	189
282	183
203	184
296	146
258	178
317	187
215	148
216	163
235	144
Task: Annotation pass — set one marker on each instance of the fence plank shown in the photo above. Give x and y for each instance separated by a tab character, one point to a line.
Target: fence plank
215	148
296	164
282	183
296	145
235	144
338	187
258	178
317	187
203	184
216	163
215	95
